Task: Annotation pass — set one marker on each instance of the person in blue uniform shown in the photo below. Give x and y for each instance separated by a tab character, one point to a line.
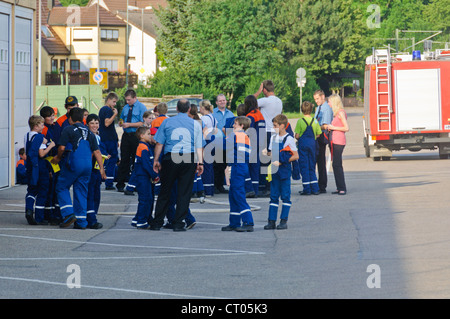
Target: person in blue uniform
51	131
181	138
307	131
21	169
70	103
38	173
77	144
130	119
237	146
210	131
95	182
324	115
109	138
283	151
257	134
144	175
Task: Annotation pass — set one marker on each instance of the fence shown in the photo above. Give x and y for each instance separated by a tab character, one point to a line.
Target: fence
115	81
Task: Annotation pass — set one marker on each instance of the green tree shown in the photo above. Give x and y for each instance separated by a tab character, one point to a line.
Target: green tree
230	41
81	3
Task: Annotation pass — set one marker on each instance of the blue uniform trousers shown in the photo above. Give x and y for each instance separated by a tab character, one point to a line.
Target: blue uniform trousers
51	205
132	182
208	178
111	163
280	188
37	194
75	174
93	197
239	208
145	201
307	161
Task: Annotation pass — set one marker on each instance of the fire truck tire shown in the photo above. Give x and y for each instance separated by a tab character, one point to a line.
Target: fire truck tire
366	147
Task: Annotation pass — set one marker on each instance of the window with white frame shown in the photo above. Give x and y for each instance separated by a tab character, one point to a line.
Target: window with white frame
111	65
109	35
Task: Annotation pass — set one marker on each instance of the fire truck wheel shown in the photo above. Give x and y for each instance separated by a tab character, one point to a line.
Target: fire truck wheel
366	147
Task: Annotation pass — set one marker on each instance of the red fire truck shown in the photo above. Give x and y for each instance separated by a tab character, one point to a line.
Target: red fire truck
406	103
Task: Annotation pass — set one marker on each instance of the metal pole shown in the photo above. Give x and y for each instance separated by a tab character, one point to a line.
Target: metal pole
127	52
98	36
39	46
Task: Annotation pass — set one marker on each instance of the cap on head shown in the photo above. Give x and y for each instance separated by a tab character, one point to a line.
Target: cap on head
71	100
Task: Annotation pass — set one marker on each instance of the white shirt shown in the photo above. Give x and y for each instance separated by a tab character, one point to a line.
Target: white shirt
270	107
290	141
30	135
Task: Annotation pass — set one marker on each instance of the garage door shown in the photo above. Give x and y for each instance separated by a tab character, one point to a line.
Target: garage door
23	74
5	93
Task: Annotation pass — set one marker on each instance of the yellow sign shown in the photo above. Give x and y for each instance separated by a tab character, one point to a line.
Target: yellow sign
100	77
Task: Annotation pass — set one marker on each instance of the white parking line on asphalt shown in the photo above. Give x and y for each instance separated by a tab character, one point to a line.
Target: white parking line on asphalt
111	288
134	246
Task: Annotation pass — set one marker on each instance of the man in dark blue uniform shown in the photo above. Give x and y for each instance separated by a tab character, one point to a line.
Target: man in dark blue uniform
77	144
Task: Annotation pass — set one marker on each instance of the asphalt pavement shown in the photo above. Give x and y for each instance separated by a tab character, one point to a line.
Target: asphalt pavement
387	238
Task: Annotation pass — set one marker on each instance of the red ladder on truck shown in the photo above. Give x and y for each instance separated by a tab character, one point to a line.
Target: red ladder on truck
382	60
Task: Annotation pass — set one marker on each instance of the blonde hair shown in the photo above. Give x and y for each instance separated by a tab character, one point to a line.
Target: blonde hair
307	107
243	121
35	120
280	119
336	103
161	108
206	104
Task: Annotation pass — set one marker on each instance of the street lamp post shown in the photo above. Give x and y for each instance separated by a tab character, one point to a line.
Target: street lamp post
301	81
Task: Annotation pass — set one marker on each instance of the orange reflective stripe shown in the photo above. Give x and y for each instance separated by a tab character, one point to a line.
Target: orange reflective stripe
257	115
61	119
287	149
20	162
45	131
141	147
157	122
242	138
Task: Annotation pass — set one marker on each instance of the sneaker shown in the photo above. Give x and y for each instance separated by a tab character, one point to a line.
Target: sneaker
69	220
191	225
110	188
127	192
143	226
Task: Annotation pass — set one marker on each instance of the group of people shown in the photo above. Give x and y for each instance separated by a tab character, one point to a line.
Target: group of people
165	157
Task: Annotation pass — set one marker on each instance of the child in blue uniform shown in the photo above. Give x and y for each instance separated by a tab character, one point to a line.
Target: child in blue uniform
258	125
237	146
38	173
95	182
283	150
144	173
306	131
21	169
79	144
51	131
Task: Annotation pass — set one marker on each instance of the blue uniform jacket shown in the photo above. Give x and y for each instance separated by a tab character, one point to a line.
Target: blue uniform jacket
143	165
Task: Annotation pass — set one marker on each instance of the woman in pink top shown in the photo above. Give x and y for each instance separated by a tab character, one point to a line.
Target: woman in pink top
338	127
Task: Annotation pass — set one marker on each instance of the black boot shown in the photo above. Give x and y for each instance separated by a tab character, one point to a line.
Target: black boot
283	224
270	225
